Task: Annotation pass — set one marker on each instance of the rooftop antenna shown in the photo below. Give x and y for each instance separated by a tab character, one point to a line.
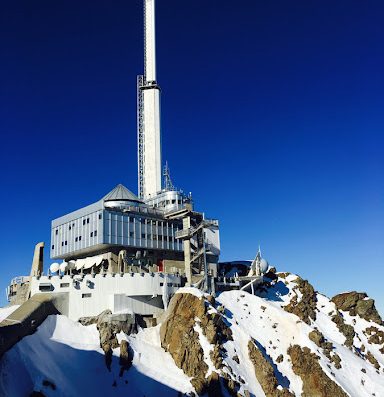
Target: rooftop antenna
168	185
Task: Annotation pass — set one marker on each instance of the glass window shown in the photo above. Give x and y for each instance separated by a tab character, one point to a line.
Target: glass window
95	234
79	238
57	232
76	239
83	221
100	216
53	247
87	220
142	235
91	234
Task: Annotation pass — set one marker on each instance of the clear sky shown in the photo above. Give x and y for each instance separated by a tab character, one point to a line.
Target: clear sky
272	115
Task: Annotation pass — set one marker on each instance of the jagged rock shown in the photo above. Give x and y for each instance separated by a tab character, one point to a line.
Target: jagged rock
265	373
107	355
126	357
109	325
180	339
346	329
216	358
336	360
305	309
357	303
376	336
214	387
318	338
280	359
315	381
371	358
200	385
231	385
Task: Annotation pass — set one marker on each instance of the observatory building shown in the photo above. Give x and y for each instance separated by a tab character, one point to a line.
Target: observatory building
128	251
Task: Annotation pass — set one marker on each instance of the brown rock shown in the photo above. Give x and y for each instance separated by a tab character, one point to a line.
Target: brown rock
265	373
214	387
200	385
371	358
346	329
305	309
125	357
356	303
315	382
180	339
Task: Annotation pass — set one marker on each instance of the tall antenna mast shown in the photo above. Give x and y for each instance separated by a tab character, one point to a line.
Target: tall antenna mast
148	113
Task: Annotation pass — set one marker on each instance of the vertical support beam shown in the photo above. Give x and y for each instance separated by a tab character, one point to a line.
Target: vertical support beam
38	260
187	251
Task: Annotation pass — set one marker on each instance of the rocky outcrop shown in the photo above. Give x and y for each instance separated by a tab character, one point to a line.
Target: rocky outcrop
346	329
315	381
181	340
304	308
109	325
358	303
318	338
265	373
376	336
371	358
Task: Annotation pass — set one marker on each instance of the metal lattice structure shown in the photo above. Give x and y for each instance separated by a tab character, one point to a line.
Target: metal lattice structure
140	135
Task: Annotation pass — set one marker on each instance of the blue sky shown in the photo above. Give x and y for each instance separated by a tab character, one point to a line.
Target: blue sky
272	115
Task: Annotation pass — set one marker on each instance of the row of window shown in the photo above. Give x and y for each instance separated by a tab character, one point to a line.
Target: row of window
71	226
63	243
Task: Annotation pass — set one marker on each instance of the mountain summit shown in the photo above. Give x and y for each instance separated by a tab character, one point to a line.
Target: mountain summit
284	340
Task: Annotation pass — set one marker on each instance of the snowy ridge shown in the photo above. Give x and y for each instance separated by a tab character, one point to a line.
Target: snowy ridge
64	358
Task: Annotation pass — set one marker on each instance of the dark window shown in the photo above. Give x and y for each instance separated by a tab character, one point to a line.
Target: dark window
100	216
173	201
131	219
64	285
45	287
73	225
62	243
161	284
142	235
66	243
87	220
83	221
53	247
91	234
76	239
70	227
79	238
86	295
95	233
57	232
131	234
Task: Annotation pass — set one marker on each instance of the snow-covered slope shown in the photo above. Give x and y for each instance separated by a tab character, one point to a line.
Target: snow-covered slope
64	358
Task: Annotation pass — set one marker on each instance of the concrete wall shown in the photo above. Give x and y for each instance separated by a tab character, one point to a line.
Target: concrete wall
89	296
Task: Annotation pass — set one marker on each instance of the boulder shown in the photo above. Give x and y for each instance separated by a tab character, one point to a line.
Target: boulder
358	303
